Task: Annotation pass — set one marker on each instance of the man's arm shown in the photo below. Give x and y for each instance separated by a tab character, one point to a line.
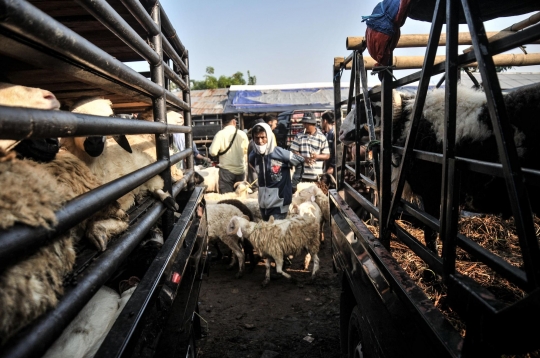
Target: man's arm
215	147
324	154
298	162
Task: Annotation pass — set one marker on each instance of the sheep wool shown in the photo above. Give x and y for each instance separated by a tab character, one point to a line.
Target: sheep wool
279	238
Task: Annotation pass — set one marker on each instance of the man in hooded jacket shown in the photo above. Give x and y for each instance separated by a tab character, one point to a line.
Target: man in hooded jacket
273	167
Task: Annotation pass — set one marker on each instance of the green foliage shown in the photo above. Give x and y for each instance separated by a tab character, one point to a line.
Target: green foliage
211	82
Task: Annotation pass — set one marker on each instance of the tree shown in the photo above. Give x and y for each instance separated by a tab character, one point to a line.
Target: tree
211	82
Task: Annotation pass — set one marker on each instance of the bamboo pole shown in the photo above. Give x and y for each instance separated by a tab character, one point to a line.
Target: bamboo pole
512	29
416	62
414	40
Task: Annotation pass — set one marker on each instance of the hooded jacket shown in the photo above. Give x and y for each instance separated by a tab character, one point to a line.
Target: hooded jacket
273	168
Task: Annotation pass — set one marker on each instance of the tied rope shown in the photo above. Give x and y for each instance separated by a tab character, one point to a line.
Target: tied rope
379	69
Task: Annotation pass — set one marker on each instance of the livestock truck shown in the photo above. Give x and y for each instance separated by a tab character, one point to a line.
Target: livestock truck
82	48
385	310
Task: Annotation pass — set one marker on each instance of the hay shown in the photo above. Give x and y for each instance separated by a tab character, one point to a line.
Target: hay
491	232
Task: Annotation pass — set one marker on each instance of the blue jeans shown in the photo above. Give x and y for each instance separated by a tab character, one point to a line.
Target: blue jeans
275	212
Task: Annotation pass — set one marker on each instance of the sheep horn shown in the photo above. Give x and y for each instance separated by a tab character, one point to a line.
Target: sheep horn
123	142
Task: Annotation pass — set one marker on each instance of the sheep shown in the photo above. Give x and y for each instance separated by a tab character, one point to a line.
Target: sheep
84	335
147	142
32	193
210	177
248	248
474	140
115	162
240	192
218	216
278	238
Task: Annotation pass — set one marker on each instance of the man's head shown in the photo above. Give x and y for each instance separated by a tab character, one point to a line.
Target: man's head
228	120
271	120
259	135
309	122
328	120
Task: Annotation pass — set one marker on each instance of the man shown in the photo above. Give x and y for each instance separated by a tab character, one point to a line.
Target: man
230	145
313	146
271	120
327	125
198	155
273	167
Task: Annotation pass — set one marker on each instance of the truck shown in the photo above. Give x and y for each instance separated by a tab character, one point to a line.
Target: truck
83	48
384	312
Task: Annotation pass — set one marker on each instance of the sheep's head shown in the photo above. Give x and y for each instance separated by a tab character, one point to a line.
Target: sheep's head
241	188
20	96
235	227
94	145
28	97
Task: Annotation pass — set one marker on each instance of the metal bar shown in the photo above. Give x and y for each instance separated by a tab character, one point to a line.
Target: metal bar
182	183
350	169
495	262
429	257
176	157
160	115
177	60
366	204
175	78
406	162
22	239
30	23
170	33
105	14
121	333
450	188
359	114
190	162
338	173
20	123
37	338
531	176
508	156
141	15
385	168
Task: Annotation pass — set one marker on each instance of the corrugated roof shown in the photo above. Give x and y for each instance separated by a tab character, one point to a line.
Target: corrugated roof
507	80
210	101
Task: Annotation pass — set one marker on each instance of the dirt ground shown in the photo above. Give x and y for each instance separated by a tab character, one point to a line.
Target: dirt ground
285	319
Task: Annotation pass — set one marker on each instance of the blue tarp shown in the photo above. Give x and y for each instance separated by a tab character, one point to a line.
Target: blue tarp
281	100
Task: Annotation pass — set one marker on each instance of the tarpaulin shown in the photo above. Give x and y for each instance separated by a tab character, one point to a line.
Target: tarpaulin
382	33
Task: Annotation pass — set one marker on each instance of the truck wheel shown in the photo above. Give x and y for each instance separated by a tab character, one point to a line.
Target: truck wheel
355	340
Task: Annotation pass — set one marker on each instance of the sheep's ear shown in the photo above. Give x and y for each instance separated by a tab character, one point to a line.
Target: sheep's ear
271	219
313	198
123	142
239	232
237	183
245	217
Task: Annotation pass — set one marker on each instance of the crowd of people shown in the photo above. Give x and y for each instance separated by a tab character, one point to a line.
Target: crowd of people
272	170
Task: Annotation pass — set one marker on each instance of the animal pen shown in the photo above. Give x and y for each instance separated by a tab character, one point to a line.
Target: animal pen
389	314
80	48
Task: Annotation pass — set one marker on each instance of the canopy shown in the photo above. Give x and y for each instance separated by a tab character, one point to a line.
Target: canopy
262	99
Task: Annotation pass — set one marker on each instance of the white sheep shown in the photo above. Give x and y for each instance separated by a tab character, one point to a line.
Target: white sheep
84	335
210	176
115	162
218	217
147	142
32	193
278	238
240	192
316	195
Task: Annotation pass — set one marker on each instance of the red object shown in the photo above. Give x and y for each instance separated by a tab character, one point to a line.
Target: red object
380	45
275	169
176	277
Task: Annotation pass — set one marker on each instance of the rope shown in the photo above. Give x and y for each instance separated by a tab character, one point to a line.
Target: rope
379	69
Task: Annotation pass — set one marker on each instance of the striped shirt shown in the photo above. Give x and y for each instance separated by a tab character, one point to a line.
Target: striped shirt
305	144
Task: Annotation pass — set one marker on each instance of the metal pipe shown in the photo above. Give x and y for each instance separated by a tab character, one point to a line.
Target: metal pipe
141	15
20	123
157	74
169	50
169	31
28	22
105	14
188	121
175	78
182	183
22	239
176	157
46	329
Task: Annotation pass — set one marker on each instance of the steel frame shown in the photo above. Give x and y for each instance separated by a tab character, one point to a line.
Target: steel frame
26	30
487	319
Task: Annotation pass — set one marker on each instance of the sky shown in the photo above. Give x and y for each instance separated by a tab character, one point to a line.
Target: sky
285	41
